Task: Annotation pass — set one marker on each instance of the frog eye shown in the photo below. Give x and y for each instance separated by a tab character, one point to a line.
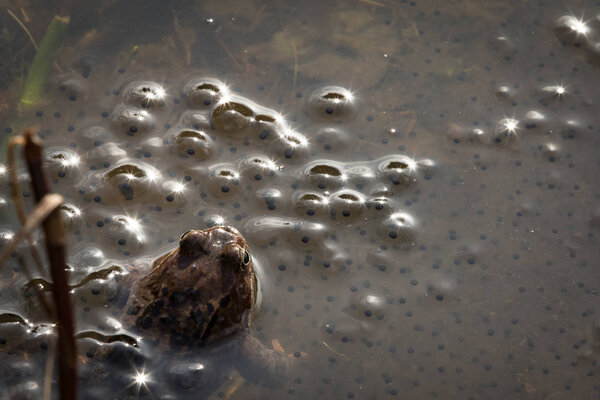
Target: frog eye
184	235
245	260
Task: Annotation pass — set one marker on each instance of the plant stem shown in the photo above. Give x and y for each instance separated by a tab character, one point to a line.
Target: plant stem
56	249
43	60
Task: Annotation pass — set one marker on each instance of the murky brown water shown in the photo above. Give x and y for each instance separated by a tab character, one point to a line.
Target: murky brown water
417	181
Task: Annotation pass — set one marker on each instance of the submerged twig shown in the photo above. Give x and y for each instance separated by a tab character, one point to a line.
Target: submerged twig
228	52
295	52
22	25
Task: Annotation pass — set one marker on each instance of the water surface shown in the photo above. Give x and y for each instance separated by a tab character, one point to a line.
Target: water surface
418	183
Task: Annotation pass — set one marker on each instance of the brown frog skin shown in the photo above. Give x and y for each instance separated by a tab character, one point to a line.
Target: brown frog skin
196	302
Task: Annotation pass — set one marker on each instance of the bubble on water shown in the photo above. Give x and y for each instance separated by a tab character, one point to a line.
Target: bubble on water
310	203
94	136
505	46
534	119
71	216
554	91
73	88
572	30
399	226
232	114
130	171
105	153
347	203
506	93
399	169
192	142
369	306
62	161
89	257
216	220
26	390
550	151
267	117
381	260
266	230
204	92
380	203
175	193
195	119
187	376
270	197
122	181
380	189
224	179
331	139
257	167
132	121
128	232
572	129
332	102
325	173
291	143
153	147
440	289
466	134
145	95
506	131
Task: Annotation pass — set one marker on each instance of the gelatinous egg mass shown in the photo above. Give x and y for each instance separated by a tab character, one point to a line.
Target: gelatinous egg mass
418	183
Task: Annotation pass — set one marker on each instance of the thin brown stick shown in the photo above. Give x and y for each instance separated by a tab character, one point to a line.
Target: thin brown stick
49	369
55	247
12	163
295	67
48	204
229	54
22	25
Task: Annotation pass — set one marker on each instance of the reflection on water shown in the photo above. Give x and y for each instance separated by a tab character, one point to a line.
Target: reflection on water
417	182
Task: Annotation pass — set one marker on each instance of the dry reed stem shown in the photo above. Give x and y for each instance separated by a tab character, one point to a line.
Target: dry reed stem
56	250
41	211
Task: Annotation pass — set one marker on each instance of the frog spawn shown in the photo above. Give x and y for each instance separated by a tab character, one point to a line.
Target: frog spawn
221	116
126	190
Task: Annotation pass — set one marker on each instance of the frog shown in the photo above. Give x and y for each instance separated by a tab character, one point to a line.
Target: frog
196	304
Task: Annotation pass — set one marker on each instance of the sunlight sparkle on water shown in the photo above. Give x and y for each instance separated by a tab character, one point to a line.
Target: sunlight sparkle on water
558	90
157	94
134	226
140	379
177	187
8	236
71	211
509	126
578	26
142	115
294	139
